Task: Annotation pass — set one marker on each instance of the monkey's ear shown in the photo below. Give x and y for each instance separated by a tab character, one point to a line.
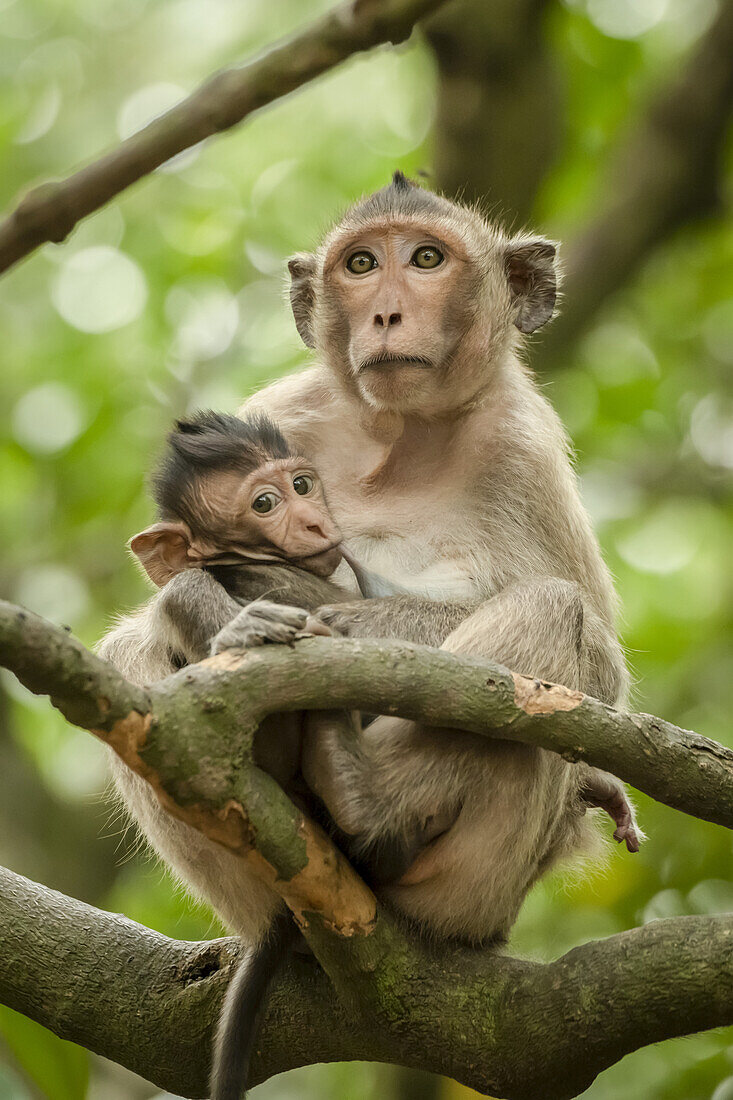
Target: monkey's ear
162	550
302	268
529	263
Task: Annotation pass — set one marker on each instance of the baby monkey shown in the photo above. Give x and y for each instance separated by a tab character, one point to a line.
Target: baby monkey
237	504
250	517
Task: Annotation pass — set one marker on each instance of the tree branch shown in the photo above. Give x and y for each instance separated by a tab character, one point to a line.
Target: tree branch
233	692
664	172
580	1014
50	212
500	103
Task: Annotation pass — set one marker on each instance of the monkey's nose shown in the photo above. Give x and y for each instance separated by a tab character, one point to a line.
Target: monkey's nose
391	319
317	530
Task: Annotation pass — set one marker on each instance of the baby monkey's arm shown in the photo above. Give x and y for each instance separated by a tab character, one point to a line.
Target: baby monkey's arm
198	608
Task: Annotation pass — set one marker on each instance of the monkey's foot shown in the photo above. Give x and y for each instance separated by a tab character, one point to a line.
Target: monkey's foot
607	792
263	622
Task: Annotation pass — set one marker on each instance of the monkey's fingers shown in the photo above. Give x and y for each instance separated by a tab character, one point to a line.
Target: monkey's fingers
340	617
314	626
261	623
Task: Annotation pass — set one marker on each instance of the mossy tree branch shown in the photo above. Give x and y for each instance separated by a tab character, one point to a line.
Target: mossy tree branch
469	1014
398	1001
50	212
232	693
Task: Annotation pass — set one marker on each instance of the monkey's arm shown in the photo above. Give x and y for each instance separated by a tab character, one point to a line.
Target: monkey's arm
409	618
371	585
197	607
545	628
173	628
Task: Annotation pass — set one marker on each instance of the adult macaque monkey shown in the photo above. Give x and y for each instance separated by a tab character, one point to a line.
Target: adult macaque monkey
448	473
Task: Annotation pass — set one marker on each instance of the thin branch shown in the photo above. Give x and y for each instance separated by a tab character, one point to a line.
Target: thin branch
471	1014
664	172
50	212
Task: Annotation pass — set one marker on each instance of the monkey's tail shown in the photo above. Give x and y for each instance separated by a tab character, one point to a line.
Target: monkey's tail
242	1010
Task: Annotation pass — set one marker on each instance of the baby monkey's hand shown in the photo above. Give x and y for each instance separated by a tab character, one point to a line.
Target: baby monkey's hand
263	622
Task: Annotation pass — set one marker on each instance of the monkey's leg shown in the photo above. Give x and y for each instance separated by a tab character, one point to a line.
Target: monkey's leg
520	808
607	792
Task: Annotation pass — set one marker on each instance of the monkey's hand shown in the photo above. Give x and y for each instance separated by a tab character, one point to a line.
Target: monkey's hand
343	618
604	790
262	622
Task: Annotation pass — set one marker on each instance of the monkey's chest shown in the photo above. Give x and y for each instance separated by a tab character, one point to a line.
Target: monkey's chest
439	571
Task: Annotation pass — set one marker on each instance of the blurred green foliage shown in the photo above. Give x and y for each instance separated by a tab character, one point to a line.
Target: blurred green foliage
173	298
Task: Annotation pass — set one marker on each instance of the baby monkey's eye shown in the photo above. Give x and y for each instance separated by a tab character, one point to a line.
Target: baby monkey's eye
361	262
264	503
427	257
302	484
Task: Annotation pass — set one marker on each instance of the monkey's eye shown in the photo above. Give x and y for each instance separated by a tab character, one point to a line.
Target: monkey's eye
264	503
302	484
361	262
427	257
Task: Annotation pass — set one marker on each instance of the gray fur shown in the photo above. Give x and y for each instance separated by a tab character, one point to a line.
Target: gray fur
503	564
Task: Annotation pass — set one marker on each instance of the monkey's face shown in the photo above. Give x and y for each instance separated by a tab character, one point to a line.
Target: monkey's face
276	513
399	302
413	300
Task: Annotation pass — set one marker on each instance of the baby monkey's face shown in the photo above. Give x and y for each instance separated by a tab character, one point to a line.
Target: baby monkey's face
276	513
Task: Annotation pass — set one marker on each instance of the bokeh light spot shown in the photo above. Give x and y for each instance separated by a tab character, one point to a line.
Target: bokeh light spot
724	1090
711	430
662	543
99	289
146	104
48	418
717	331
626	18
53	591
206	315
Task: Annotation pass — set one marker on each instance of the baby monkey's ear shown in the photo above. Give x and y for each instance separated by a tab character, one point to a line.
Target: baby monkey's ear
162	550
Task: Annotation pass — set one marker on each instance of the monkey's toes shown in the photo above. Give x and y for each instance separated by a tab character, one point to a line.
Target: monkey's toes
628	834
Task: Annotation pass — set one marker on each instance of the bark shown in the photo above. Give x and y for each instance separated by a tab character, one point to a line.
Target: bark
50	212
470	1014
499	119
498	129
230	695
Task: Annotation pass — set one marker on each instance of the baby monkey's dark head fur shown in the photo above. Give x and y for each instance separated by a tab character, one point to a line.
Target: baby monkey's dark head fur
207	443
231	491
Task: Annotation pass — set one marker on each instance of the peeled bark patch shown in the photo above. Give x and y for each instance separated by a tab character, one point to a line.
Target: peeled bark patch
327	885
540	697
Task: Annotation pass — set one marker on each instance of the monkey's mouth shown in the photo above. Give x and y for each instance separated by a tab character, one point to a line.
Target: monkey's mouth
387	359
322	564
